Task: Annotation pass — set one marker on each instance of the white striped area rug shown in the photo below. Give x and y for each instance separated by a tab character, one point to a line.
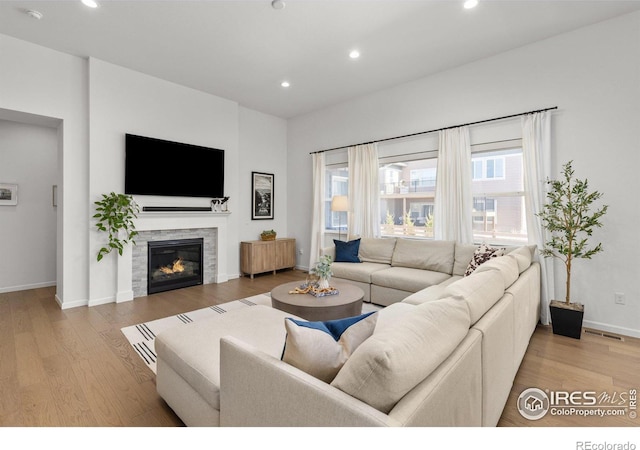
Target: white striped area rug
142	336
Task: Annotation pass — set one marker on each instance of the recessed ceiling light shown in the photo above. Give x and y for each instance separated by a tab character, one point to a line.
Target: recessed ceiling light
278	4
285	84
354	54
34	14
90	3
470	4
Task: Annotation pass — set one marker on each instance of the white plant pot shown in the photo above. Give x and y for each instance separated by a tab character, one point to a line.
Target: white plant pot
323	283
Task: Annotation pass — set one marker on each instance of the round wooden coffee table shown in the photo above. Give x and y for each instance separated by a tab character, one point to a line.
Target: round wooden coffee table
347	303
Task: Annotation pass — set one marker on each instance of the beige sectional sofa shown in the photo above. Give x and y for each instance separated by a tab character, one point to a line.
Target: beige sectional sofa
445	355
393	268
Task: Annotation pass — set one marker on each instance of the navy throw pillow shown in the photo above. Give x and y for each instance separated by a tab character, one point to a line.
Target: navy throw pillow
347	251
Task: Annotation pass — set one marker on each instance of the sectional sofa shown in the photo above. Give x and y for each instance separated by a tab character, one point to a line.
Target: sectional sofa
444	355
390	269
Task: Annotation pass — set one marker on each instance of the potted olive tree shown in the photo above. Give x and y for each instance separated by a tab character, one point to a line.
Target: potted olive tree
569	218
115	214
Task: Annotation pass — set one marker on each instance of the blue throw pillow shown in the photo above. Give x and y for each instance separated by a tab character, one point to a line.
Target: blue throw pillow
347	251
322	348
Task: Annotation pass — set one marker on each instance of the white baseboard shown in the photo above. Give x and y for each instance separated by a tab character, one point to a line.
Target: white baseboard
67	305
26	287
101	301
611	328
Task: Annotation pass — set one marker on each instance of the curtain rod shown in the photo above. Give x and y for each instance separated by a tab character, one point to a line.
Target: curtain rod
437	129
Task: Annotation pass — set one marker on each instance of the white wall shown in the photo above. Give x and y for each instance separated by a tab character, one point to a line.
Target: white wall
28	230
263	148
94	103
124	101
44	82
591	75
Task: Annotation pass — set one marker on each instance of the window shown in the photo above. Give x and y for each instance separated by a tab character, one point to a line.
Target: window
488	168
336	183
407	197
498	196
407	194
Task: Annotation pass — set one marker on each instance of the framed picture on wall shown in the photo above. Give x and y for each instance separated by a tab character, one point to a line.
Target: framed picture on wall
262	194
8	194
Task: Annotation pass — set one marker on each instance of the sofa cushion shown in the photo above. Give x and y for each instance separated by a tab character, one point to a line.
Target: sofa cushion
523	256
506	265
396	358
389	315
356	272
429	294
347	251
193	350
424	254
481	255
321	348
462	255
480	291
377	250
407	279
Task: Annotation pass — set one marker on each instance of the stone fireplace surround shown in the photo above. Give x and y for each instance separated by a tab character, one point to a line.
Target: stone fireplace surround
212	227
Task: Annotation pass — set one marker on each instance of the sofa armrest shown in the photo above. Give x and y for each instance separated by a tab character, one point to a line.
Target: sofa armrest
331	251
259	390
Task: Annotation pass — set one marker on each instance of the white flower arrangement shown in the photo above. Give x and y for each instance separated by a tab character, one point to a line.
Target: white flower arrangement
323	267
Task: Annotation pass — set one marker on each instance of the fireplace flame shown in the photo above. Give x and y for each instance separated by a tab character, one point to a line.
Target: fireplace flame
176	267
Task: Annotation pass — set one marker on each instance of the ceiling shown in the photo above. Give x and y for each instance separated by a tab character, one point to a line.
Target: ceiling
243	49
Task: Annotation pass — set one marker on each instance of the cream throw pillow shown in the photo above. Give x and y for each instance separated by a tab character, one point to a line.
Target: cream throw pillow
396	358
321	348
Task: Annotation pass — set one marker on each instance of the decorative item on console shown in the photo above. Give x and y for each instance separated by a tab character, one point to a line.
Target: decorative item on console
268	235
219	204
568	219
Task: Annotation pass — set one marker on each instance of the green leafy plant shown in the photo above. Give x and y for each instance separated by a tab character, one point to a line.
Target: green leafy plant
323	267
569	219
115	214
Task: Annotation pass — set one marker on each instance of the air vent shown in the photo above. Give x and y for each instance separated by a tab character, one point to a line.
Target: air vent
603	334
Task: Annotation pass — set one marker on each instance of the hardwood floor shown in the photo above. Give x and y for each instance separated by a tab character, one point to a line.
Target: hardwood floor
75	368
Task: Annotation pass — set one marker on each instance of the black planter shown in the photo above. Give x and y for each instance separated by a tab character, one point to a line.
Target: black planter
566	321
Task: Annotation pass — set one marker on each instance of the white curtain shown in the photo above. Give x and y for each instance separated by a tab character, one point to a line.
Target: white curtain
536	155
364	192
453	203
317	224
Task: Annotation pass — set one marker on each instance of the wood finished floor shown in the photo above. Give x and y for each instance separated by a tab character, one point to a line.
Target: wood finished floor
74	367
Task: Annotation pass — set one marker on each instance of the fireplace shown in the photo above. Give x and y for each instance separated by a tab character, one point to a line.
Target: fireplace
174	264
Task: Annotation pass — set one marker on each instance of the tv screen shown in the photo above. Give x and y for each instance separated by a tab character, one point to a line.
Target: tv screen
159	167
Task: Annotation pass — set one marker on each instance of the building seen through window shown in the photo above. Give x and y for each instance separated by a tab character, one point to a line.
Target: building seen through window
408	190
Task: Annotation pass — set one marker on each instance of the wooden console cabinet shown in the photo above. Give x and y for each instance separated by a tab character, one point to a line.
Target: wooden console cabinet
267	256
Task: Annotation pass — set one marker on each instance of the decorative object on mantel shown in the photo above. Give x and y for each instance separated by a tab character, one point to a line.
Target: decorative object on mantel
268	235
323	270
219	204
262	195
115	214
8	194
568	219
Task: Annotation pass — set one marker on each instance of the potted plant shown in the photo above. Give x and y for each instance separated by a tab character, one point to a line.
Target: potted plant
115	214
268	235
569	218
323	270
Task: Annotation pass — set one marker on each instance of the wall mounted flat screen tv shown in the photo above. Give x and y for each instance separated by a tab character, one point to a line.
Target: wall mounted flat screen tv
166	168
